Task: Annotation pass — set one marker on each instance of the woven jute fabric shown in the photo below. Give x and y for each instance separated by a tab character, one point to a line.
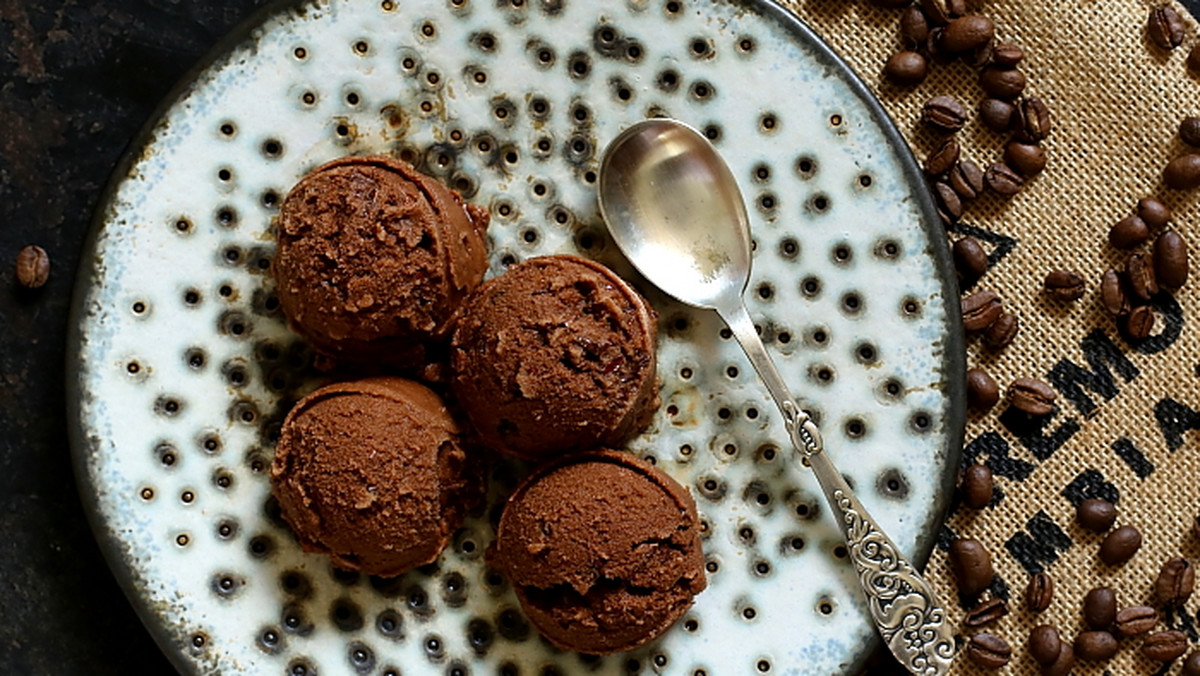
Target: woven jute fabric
1126	410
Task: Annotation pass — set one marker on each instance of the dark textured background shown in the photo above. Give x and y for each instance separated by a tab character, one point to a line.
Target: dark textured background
77	81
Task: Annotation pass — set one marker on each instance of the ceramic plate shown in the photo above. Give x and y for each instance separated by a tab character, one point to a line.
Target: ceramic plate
183	367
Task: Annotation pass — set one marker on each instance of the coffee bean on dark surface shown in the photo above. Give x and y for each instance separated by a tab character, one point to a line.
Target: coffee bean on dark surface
982	391
1183	173
1128	232
1039	593
996	114
1032	120
1153	212
1135	620
1100	608
948	201
1112	293
1007	55
1166	28
989	651
1139	272
1170	260
906	68
1095	646
1031	396
914	27
1139	323
1191	666
967	33
980	309
1120	545
1044	644
943	157
1002	180
972	566
944	113
1189	131
1165	646
1064	285
1193	60
986	613
1176	582
1027	158
967	179
1002	83
33	267
1003	331
1096	514
970	260
978	486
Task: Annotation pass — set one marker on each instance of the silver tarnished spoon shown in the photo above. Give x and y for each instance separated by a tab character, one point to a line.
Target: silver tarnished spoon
674	208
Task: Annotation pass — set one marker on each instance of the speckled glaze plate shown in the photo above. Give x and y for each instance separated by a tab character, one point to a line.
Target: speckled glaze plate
182	367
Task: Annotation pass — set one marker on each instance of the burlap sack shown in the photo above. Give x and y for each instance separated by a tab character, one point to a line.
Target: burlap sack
1125	410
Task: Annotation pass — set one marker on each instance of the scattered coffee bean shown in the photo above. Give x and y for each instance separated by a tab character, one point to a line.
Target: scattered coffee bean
906	68
980	56
1007	55
33	267
1044	644
1002	83
967	33
1002	180
1170	260
1100	608
1128	232
970	260
1135	620
1120	545
989	651
949	204
982	390
972	566
1165	646
1039	593
1031	396
943	159
980	309
1139	271
1003	331
1193	60
967	179
944	113
914	27
1032	120
1153	212
978	486
1166	28
931	46
1095	646
940	12
1189	131
1064	664
1112	293
1139	323
985	613
1175	582
996	114
1191	666
1064	285
1183	173
1096	514
1028	159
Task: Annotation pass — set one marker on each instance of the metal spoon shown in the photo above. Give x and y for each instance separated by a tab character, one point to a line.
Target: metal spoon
674	208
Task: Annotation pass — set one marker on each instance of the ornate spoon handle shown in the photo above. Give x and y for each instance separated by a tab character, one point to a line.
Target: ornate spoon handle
905	609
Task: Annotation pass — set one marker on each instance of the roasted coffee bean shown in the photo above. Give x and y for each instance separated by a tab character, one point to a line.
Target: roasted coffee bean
972	566
1002	83
1139	323
985	613
1165	646
1170	260
1135	620
1003	331
931	46
940	12
1032	120
943	158
1193	60
1166	28
980	309
1139	271
980	56
1096	514
1002	180
1095	646
1007	55
906	68
1064	664
1153	212
1044	644
948	202
914	27
967	33
989	651
1039	593
996	114
1064	285
1183	173
978	486
982	390
1112	293
1100	608
1031	396
1120	545
970	259
1028	159
1128	232
1191	666
1189	131
944	113
33	267
1175	582
967	179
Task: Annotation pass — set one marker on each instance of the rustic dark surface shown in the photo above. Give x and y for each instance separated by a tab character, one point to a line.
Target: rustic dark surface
77	81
